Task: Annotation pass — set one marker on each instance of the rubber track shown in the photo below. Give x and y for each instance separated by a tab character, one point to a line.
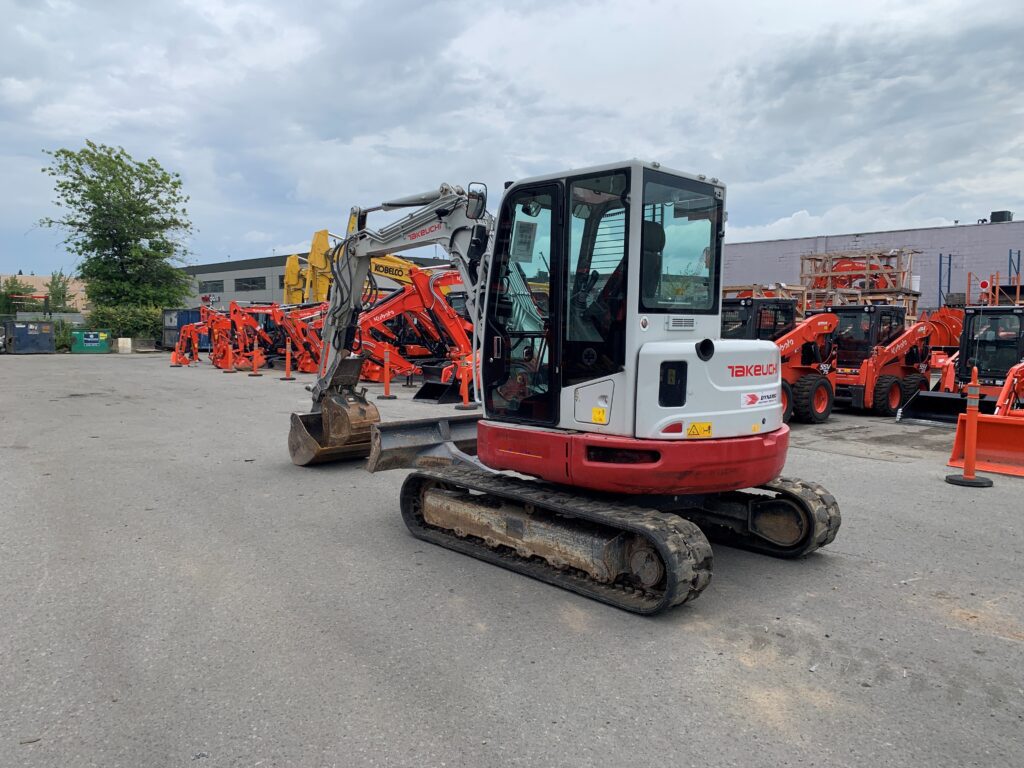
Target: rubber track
683	548
822	509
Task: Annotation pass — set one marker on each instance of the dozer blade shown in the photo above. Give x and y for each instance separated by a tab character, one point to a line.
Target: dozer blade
940	407
1000	445
422	442
340	430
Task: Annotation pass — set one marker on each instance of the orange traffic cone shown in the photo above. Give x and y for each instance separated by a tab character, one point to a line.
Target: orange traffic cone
387	377
288	361
464	372
968	478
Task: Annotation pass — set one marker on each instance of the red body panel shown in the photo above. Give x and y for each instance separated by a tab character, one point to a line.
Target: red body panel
681	466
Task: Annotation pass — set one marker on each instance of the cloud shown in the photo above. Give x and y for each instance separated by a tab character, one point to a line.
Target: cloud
819	116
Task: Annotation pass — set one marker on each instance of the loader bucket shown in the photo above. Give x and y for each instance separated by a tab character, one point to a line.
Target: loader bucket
940	407
438	392
340	430
422	442
1000	446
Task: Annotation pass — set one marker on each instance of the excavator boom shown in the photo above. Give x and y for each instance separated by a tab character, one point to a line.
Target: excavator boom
338	426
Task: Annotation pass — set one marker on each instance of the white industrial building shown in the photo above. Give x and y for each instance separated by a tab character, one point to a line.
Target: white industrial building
259	280
243	280
983	249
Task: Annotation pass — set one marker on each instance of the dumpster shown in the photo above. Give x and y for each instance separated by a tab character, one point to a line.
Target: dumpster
90	342
25	337
173	320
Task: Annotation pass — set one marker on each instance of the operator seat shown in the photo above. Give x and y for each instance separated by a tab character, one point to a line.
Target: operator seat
652	243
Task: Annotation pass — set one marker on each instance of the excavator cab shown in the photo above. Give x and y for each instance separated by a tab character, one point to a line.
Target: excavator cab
757	318
602	335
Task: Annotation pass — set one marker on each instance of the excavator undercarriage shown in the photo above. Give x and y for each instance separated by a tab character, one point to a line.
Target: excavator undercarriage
612	548
639	553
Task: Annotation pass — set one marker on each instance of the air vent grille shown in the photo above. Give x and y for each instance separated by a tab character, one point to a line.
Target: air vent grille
679	324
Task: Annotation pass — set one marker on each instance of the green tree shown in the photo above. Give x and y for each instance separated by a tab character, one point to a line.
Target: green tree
59	291
126	220
11	287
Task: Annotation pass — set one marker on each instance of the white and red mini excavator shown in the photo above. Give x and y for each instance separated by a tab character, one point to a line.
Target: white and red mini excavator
634	431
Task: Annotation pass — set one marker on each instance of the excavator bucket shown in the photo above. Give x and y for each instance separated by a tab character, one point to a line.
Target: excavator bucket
340	427
439	392
941	407
1000	446
422	442
436	391
339	430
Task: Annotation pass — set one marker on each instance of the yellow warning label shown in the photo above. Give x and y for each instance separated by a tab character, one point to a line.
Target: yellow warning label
699	429
755	428
599	415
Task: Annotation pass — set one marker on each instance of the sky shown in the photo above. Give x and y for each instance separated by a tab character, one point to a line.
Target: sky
822	118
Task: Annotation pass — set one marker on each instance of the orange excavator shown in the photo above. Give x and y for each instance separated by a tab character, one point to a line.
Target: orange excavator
253	327
397	327
302	327
186	349
807	348
421	331
258	331
438	292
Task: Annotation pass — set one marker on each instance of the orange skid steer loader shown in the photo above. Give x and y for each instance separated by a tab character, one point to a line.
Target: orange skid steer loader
807	349
1000	435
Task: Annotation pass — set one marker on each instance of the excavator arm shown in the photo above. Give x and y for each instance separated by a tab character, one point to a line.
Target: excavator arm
339	424
445	218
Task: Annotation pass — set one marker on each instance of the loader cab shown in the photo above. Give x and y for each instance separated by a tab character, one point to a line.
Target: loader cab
992	340
755	318
581	261
862	328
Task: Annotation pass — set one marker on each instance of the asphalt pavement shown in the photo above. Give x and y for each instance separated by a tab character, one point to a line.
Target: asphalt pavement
174	592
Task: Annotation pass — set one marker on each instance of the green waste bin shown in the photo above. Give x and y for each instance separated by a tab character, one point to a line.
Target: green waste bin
90	342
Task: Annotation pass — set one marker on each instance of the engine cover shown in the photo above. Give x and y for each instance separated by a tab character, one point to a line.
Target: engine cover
708	389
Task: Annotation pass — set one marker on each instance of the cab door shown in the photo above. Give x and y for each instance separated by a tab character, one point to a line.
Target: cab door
520	371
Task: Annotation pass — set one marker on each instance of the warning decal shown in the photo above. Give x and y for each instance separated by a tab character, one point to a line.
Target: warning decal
699	429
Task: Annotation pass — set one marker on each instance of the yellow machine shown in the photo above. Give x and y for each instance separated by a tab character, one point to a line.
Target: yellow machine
310	283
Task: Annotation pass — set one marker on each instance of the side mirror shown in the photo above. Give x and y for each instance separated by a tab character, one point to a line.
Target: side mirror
476	203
